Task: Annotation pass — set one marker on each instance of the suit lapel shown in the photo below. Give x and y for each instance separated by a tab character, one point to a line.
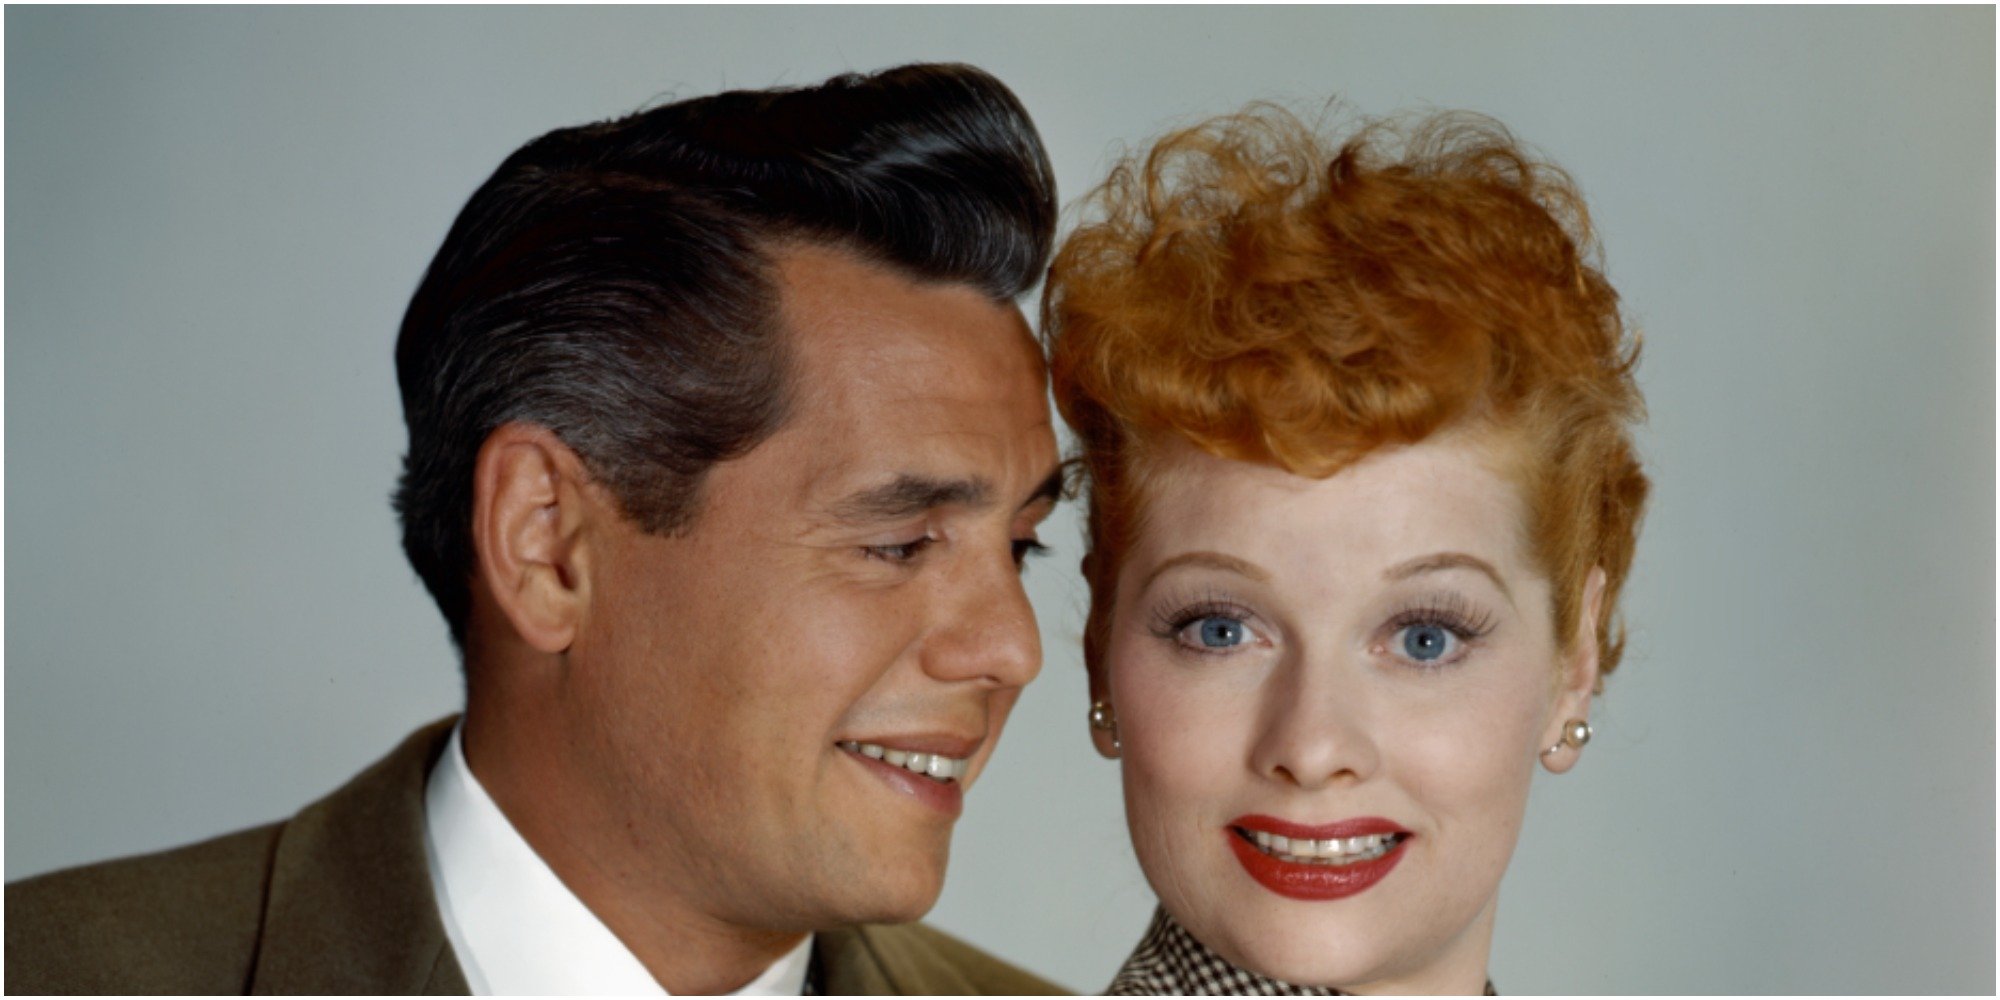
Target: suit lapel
844	965
887	959
350	907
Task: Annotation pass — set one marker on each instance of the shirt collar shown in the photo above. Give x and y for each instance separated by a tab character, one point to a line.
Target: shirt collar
514	926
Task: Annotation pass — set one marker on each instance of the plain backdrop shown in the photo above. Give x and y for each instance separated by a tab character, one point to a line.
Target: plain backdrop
215	217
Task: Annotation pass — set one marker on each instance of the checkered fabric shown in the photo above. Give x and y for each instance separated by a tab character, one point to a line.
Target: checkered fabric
1170	962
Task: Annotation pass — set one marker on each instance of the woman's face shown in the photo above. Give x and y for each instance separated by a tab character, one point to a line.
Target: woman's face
1363	666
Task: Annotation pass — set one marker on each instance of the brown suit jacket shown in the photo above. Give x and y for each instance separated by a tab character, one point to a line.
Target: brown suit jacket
338	899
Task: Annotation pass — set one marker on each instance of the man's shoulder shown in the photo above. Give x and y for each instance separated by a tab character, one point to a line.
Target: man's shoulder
178	921
918	958
336	899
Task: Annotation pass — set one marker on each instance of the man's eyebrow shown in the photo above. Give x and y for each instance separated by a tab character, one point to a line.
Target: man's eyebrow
909	495
1053	489
1447	560
1208	560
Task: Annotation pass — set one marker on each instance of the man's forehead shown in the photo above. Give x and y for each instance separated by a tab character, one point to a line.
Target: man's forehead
964	468
849	319
907	395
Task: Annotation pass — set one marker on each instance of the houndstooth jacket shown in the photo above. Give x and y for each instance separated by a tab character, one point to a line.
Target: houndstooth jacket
1170	962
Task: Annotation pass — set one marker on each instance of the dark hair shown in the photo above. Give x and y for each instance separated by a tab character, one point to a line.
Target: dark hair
613	282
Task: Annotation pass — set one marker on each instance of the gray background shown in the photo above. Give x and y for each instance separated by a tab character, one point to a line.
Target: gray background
214	219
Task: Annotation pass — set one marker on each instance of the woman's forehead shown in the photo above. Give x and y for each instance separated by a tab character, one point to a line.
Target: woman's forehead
1447	493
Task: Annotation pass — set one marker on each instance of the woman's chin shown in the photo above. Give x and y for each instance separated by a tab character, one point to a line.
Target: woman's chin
1300	952
1348	955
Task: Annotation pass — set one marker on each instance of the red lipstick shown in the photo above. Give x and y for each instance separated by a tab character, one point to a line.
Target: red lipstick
1313	882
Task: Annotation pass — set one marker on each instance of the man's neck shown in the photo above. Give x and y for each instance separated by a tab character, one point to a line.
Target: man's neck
686	951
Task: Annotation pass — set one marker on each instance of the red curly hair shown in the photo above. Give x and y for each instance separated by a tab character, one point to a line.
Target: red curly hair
1248	290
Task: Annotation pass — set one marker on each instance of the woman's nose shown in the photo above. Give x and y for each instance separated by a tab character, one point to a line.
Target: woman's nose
1316	730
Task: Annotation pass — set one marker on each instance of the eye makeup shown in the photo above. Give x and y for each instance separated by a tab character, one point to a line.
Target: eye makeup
1448	610
1173	615
1435	632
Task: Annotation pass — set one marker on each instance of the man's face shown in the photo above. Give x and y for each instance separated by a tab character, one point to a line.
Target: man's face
850	588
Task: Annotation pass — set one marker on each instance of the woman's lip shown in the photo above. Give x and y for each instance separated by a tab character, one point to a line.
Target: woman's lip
1358	827
1310	882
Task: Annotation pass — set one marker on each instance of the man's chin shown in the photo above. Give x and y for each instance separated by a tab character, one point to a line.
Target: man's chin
908	900
888	871
894	892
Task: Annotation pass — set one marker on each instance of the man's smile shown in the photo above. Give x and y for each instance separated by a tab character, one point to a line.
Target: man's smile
930	769
931	765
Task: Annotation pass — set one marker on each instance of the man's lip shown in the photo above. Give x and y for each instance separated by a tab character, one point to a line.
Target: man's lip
945	744
946	797
1360	826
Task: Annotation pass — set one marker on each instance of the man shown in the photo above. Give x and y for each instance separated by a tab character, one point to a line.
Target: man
727	442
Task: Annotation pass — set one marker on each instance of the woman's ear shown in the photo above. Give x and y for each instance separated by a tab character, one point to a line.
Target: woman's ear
529	506
1578	681
1103	716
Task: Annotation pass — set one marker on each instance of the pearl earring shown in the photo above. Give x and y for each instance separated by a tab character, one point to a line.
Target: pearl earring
1101	717
1576	733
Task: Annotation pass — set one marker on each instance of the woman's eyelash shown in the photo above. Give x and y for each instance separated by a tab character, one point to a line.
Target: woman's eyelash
1449	611
1169	619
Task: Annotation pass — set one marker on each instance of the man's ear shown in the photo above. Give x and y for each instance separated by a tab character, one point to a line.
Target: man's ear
1579	676
530	503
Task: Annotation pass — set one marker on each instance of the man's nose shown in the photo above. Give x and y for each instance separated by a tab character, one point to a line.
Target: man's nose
1315	729
989	633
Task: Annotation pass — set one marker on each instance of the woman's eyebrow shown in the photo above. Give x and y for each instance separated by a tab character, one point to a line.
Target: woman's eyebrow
1209	560
1440	561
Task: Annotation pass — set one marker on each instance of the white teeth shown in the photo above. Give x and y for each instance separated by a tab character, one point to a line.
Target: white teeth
1332	851
931	765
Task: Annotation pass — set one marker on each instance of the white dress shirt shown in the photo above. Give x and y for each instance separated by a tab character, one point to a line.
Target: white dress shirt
514	926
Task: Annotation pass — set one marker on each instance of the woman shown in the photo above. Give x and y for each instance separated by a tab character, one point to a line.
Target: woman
1362	499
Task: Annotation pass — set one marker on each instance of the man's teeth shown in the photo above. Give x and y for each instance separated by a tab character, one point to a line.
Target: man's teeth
930	765
1334	851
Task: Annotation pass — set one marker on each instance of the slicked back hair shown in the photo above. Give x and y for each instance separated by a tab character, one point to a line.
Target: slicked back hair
614	282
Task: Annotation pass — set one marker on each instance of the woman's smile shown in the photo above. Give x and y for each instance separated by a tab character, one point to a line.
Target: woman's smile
1352	676
1361	500
1331	861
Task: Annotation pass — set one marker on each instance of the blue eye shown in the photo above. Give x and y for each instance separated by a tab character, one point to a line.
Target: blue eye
1214	632
1428	643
